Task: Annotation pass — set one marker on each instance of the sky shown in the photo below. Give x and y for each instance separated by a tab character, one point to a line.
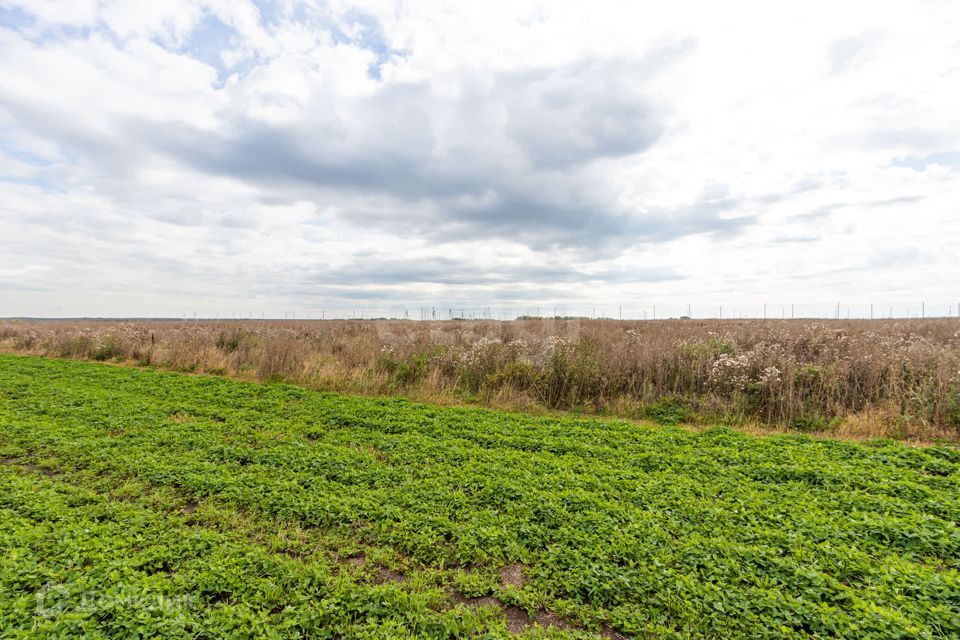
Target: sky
229	157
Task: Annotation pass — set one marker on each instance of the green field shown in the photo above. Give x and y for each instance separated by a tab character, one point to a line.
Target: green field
139	503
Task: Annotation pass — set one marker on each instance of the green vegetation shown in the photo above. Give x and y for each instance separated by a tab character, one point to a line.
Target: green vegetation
135	503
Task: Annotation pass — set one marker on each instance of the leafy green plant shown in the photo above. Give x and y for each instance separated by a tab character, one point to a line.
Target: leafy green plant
669	411
151	504
816	423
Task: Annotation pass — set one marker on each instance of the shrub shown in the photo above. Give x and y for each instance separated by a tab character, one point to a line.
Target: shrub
404	371
953	407
104	351
229	342
669	411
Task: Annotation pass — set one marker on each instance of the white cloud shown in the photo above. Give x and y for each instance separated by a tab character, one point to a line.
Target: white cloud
212	156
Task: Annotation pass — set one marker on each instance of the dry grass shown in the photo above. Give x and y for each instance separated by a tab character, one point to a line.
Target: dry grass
849	379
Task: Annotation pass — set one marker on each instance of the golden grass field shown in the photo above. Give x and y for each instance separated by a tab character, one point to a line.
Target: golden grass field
853	379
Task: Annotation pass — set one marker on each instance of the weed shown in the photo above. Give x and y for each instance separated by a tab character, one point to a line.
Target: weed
776	372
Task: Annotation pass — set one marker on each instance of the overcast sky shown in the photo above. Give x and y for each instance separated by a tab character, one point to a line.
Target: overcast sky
224	156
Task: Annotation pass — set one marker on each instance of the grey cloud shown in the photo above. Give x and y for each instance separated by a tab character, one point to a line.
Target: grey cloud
894	201
404	141
236	220
446	271
803	275
562	117
374	278
543	221
442	271
915	140
23	287
803	186
506	159
848	53
509	158
795	239
289	159
462	199
338	296
540	220
897	258
825	211
56	123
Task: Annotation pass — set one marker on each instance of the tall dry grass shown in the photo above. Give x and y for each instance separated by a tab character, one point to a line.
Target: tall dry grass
895	378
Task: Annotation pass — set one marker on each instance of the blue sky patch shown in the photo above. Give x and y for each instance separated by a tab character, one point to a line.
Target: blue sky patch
15	18
370	37
920	163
